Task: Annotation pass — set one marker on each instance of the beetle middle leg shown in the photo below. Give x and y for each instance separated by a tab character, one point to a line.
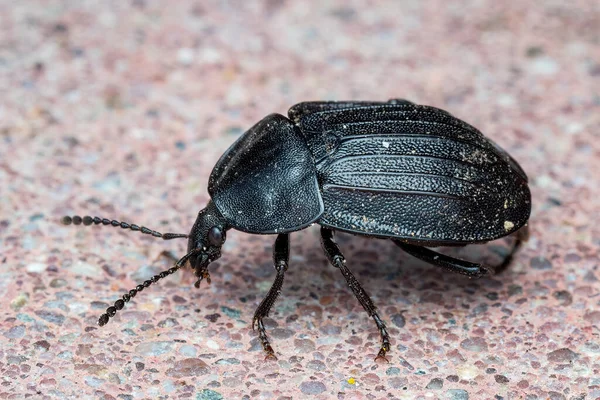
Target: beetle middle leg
281	256
336	258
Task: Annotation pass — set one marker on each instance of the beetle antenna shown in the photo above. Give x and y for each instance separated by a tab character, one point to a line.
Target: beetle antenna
87	220
119	304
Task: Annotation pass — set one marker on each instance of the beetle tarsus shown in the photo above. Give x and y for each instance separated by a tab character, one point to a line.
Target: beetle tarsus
336	258
202	274
281	256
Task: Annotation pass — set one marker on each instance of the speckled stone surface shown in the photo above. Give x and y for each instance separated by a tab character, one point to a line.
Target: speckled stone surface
120	109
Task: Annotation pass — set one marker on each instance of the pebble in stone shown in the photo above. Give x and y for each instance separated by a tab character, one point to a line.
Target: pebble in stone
457	394
563	355
188	367
435	383
398	320
540	263
312	387
154	348
316	365
207	394
50	316
474	344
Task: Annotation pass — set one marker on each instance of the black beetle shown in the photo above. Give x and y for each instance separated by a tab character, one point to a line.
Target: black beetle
410	173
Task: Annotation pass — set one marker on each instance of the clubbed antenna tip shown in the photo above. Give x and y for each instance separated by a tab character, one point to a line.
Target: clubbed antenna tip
87	220
119	304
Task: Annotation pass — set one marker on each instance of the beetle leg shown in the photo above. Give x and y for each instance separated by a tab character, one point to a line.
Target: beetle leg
522	235
281	256
452	264
336	258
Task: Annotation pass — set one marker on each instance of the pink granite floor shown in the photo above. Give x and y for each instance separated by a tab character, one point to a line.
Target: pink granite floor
121	108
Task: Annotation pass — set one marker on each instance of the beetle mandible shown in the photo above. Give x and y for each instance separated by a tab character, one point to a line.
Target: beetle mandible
394	170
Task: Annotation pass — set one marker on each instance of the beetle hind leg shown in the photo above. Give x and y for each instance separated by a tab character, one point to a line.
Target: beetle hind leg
336	258
463	267
281	255
452	264
522	235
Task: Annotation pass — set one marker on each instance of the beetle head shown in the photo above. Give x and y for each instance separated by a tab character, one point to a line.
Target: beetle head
206	238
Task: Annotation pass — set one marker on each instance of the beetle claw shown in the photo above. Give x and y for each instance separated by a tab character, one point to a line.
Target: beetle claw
270	354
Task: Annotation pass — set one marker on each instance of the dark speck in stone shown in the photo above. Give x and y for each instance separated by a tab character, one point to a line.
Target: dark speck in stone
556	396
534	51
234	130
398	320
564	297
572	258
42	344
480	309
168	323
50	316
541	263
180	145
179	299
152	112
230	312
77	52
590	277
514	290
501	379
213	317
36	217
228	361
98	305
492	296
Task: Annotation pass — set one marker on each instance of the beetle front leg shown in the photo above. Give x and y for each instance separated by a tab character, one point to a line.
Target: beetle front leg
281	256
336	258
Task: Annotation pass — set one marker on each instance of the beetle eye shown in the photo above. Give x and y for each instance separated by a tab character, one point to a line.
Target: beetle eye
216	236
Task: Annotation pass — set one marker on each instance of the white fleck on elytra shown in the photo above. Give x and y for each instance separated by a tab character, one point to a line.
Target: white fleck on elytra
508	225
385	144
